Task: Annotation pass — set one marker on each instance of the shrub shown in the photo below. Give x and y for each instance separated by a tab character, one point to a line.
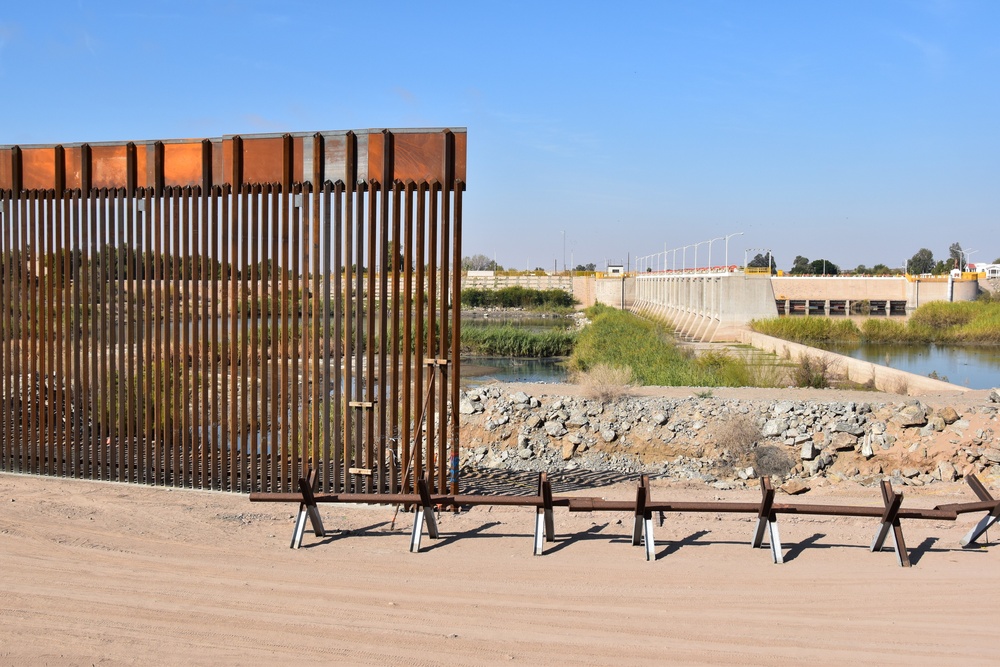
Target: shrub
604	382
812	372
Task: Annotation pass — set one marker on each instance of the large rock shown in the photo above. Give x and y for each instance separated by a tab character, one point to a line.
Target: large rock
793	487
467	406
994	395
949	415
808	452
843	442
568	449
992	455
947	472
910	415
554	429
774	428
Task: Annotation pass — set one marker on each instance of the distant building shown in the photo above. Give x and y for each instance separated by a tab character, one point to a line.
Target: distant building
991	270
616	269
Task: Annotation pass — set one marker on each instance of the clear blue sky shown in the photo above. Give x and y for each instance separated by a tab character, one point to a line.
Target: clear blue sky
853	130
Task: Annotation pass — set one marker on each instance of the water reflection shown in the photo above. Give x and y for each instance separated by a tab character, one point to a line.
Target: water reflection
976	367
478	370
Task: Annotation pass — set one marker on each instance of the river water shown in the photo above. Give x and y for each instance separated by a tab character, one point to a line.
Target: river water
976	367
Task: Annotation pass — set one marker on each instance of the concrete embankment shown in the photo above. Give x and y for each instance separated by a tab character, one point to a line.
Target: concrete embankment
882	378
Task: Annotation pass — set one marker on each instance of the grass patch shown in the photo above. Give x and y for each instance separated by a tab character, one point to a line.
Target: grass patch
620	339
963	322
510	341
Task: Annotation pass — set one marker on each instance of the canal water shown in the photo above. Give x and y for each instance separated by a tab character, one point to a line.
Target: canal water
976	367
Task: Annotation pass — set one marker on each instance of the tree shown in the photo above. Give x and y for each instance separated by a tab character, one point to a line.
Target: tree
800	265
760	261
587	267
478	263
882	270
863	270
921	262
955	254
823	267
997	260
941	268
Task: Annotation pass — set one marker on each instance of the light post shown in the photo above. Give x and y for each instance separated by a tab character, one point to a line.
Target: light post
564	251
696	253
967	253
710	251
674	259
727	249
684	255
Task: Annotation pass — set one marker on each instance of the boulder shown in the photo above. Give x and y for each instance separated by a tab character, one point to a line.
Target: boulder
994	395
774	428
608	435
946	472
568	449
843	442
794	487
910	415
949	415
808	452
554	429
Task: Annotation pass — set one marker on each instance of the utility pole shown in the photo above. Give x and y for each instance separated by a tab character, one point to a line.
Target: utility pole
564	251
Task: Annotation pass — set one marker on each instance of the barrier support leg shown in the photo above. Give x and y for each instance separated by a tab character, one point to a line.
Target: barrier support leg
544	522
767	520
991	517
890	522
642	529
307	509
424	515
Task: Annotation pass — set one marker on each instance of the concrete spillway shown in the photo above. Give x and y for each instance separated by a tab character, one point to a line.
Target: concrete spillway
715	307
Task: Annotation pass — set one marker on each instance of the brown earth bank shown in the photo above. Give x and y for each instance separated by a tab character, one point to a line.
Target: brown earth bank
105	573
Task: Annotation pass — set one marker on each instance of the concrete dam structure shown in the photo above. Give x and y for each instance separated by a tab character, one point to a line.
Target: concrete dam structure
716	306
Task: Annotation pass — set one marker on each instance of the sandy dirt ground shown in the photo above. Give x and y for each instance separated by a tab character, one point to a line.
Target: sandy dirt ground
103	573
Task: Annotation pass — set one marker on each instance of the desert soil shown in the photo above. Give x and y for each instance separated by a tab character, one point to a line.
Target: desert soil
104	573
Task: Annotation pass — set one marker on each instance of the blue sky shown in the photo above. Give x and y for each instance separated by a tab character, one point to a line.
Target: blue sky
854	130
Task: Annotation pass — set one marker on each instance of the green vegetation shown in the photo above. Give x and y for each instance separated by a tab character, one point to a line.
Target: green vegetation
966	322
807	329
518	297
511	341
619	339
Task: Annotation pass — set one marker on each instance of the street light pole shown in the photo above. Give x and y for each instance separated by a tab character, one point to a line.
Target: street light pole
727	250
710	251
564	251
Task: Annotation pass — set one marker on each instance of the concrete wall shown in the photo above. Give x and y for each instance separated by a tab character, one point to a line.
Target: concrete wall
856	370
618	292
705	307
527	281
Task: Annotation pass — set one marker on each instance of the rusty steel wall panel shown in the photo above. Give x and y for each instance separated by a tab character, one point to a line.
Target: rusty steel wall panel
164	326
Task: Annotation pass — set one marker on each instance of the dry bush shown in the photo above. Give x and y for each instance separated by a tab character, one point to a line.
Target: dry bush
739	437
898	385
813	372
604	382
771	461
735	440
